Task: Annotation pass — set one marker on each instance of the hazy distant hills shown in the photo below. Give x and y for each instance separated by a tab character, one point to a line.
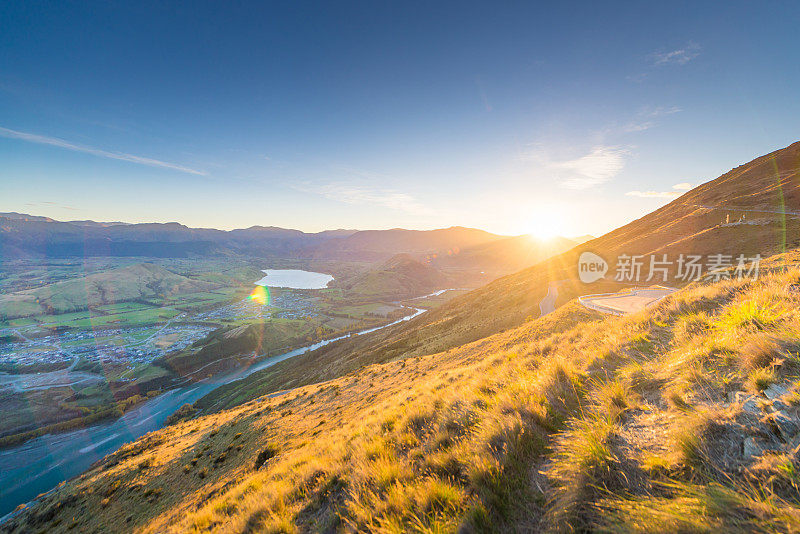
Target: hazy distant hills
457	248
399	277
13	215
98	223
379	245
35	237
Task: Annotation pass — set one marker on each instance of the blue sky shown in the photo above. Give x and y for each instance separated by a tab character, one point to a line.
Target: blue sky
512	117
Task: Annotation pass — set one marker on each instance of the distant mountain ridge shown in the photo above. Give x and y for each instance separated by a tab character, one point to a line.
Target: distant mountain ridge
24	217
98	223
29	236
478	255
23	235
380	245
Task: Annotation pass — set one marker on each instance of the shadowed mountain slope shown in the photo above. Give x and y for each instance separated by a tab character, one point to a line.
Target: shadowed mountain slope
503	256
401	276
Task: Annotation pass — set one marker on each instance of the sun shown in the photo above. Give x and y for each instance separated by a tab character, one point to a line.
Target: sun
545	224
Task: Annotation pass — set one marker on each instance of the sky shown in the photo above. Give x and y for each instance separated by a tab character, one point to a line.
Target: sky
514	117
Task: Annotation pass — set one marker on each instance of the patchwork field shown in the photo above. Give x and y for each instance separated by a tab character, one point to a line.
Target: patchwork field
143	327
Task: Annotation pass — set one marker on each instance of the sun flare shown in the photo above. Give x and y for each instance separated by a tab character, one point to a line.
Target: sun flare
545	224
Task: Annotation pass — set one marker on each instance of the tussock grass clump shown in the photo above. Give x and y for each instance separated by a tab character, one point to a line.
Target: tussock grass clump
693	324
612	399
705	443
687	507
759	313
562	388
677	399
778	473
419	419
642	377
703	297
585	465
760	351
641	342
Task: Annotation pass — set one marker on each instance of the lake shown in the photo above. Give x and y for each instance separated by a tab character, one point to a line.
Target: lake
294	279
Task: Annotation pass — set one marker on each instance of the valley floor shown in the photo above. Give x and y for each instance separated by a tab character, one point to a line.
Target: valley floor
682	417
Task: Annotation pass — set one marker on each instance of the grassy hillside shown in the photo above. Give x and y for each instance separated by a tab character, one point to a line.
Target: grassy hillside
479	416
679	418
123	284
230	347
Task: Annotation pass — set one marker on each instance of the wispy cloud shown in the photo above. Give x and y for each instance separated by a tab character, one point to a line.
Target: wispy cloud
51	204
646	118
366	195
678	190
122	156
681	56
600	165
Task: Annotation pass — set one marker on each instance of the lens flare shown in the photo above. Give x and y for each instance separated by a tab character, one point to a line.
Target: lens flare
261	295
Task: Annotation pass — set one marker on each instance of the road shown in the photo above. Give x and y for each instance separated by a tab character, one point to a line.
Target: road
752	210
548	303
38	381
625	302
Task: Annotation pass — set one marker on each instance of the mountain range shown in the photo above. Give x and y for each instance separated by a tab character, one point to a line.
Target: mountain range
32	237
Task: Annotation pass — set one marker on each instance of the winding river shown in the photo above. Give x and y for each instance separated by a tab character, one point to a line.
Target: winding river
40	464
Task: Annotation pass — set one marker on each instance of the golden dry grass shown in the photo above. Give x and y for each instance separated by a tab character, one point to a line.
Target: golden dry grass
570	422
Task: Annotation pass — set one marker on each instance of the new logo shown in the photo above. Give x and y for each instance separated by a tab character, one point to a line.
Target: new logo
591	267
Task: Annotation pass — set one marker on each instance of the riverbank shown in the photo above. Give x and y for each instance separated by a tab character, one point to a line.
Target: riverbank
39	465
